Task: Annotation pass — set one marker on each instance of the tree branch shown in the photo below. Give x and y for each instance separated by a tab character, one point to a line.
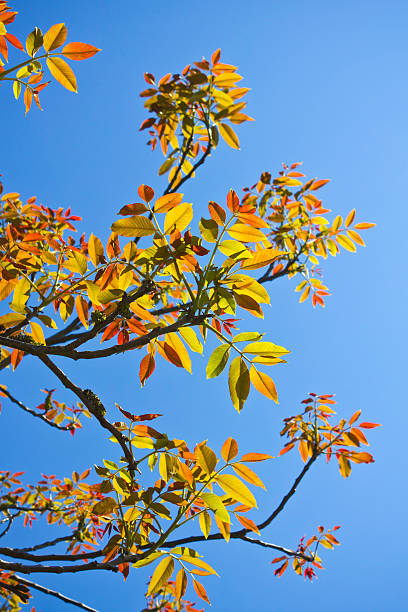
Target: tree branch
38	415
56	594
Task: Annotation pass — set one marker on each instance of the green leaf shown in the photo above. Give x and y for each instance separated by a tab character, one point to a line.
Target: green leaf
161	574
105	506
34	41
265	349
206	458
188	334
238	382
205	523
208	229
246	336
218	360
215	504
134	227
236	489
147	560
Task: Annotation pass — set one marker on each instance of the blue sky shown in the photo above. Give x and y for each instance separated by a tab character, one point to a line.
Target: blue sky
329	88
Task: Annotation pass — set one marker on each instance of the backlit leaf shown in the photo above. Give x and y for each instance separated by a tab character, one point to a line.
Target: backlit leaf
238	382
55	37
247	474
218	360
229	449
167	202
161	575
236	489
62	73
264	384
79	51
178	218
205	523
134	227
246	233
229	135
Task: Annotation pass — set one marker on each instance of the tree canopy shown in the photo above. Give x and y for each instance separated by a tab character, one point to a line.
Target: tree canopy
166	283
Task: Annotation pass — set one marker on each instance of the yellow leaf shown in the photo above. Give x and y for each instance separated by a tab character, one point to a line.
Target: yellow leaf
37	332
189	335
227	79
161	574
236	489
264	384
229	449
229	135
55	37
178	218
247	474
246	233
134	227
176	343
62	73
199	562
205	523
95	250
167	202
261	258
206	458
346	243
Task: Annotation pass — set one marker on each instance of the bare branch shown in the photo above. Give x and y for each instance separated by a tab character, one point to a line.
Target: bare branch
47	591
34	413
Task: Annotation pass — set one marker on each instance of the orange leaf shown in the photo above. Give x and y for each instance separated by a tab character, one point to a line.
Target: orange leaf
81	306
147	366
251	457
200	590
369	425
146	193
317	184
247	523
229	449
232	201
264	384
217	213
79	51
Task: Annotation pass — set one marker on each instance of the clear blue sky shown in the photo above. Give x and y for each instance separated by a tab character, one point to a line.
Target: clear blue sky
329	88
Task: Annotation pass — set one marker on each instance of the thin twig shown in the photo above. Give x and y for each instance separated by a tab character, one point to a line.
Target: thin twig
38	415
56	594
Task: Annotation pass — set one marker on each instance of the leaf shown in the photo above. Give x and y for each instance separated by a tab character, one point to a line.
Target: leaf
62	73
11	319
238	382
37	333
236	489
104	507
199	562
55	37
178	218
218	360
346	243
261	258
265	349
206	458
173	340
95	250
79	51
229	135
369	425
200	590
229	449
181	584
208	229
247	523
147	366
205	523
167	202
34	42
246	233
145	192
225	528
188	334
344	465
264	384
217	213
137	208
247	474
252	457
161	575
215	504
134	227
